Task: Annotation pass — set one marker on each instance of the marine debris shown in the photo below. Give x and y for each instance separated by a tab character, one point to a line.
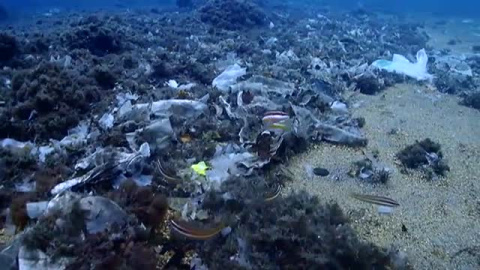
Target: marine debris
122	130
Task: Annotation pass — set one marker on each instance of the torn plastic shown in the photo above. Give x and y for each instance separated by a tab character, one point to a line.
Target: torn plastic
44	151
103	171
402	65
157	135
264	86
36	209
26	149
180	107
77	136
228	77
17	148
225	163
106	121
200	168
141	180
308	126
173	84
101	213
339	107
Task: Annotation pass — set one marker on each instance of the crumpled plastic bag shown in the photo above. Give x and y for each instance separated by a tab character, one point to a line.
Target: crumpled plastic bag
309	126
228	77
181	107
265	86
402	65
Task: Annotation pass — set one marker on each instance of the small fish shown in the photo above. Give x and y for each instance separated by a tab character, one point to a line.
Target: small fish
192	232
162	171
378	200
274	194
277	121
274	117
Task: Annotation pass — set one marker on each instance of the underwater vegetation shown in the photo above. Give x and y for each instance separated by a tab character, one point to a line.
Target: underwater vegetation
425	154
232	14
294	232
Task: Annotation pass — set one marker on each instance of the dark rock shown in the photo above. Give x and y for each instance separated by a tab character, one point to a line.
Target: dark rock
201	73
452	42
8	47
472	100
104	78
368	85
162	70
360	121
129	62
321	171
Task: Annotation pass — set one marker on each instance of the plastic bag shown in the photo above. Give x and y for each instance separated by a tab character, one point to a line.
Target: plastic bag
402	65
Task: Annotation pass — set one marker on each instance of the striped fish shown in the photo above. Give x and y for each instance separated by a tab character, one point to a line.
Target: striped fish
274	194
192	232
272	117
373	199
277	121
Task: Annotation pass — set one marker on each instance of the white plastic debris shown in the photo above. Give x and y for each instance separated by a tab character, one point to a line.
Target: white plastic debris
172	84
402	65
339	107
271	25
44	151
36	209
17	148
124	97
271	41
106	121
179	107
228	77
77	136
264	86
101	213
385	210
223	166
157	134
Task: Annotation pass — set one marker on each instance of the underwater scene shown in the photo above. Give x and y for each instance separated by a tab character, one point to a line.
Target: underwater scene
239	134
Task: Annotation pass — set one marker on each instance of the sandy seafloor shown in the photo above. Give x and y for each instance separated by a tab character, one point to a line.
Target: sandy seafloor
441	217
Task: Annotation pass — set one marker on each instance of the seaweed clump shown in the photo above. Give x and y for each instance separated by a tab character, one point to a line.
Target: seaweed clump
54	98
94	36
295	232
424	154
472	100
232	14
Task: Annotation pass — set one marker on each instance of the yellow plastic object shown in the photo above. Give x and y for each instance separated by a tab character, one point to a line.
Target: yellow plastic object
200	168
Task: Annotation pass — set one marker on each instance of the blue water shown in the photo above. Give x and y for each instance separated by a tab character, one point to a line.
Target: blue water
469	8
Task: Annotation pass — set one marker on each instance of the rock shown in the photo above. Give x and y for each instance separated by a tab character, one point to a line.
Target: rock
321	171
8	47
